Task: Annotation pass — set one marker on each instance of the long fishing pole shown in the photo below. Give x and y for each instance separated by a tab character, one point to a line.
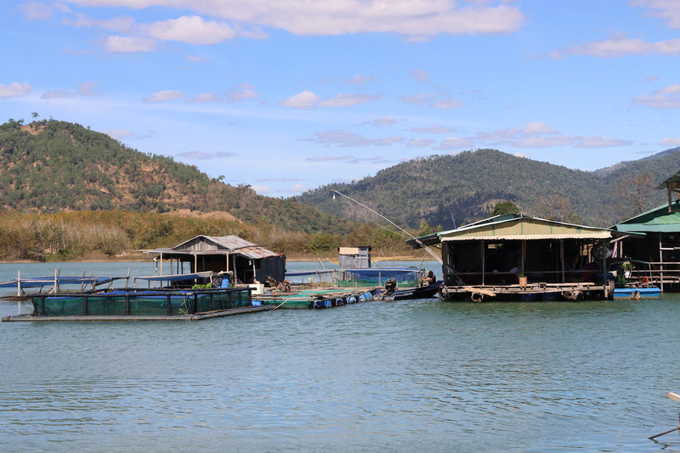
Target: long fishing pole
436	257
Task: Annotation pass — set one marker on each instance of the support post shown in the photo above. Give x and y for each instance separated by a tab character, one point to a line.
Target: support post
661	260
161	264
483	262
85	302
524	246
169	305
127	304
562	258
56	281
18	283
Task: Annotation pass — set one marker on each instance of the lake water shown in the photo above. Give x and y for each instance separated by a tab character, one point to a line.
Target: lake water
399	376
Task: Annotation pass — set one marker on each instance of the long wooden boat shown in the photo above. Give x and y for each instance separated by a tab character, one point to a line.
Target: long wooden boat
424	292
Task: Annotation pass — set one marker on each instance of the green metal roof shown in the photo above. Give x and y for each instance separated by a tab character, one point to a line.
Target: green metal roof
657	220
515	227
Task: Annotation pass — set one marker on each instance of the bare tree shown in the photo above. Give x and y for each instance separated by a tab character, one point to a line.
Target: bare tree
558	208
633	193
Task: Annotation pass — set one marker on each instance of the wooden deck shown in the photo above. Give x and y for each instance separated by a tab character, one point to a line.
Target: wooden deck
569	291
196	317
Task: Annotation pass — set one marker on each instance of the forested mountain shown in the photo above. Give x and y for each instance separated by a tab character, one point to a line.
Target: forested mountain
465	187
50	166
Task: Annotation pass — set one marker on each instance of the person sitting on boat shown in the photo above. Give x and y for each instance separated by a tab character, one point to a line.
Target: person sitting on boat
429	279
390	287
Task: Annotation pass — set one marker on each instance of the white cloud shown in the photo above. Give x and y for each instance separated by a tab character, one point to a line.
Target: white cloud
434	130
524	155
119	134
62	7
620	45
244	91
668	10
501	134
420	74
538	128
415	18
197	59
198	155
672	89
447	104
261	189
57	94
14	90
36	10
87	89
304	100
342	138
84	89
121	24
350	139
129	44
190	30
167	95
255	33
672	142
205	97
348	100
599	142
415	143
328	158
665	98
544	142
297	188
420	98
389	141
453	143
382	121
360	80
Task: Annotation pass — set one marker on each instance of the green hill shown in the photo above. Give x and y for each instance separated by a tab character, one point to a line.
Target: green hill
51	166
465	187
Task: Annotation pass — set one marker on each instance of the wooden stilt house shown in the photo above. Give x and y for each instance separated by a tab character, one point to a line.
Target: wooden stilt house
514	256
651	245
245	261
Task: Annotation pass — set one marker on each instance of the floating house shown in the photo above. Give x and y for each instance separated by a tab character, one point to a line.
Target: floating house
241	259
521	257
650	241
652	244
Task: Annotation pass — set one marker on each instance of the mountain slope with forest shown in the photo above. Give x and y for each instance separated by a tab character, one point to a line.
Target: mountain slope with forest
451	190
50	166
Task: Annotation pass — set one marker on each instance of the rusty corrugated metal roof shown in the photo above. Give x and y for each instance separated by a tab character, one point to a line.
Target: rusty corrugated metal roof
246	248
230	244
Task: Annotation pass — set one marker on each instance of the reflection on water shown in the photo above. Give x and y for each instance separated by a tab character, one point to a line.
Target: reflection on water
398	376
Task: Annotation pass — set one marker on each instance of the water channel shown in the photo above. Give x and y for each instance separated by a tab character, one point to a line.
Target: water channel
380	376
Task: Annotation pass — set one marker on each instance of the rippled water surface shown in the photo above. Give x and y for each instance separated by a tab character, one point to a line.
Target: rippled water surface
398	376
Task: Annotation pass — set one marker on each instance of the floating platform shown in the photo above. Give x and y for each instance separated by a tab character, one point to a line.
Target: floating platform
527	293
146	305
195	317
318	298
637	293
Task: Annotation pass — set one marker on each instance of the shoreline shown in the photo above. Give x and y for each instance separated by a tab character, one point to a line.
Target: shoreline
143	259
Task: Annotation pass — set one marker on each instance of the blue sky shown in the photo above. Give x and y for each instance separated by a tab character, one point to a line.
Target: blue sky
293	94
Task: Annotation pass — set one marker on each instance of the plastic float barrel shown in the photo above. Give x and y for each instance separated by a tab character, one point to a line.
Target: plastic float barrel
368	296
339	301
361	298
351	300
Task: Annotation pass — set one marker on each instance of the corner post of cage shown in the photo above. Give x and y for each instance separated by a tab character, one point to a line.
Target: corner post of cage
169	299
